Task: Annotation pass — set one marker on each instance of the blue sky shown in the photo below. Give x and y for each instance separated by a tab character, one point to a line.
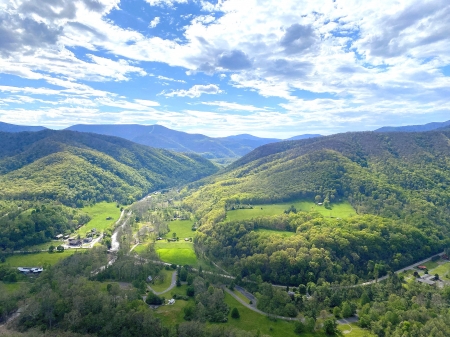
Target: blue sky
273	69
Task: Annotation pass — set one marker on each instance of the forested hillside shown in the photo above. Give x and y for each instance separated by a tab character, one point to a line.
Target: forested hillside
400	178
76	168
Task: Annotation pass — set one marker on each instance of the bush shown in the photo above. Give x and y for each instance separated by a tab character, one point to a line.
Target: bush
190	291
235	313
330	327
299	328
153	299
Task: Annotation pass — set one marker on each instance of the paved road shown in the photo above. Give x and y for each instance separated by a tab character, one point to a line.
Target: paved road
172	285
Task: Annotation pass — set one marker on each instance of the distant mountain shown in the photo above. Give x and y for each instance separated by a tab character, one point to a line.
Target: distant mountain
6	127
161	137
77	168
306	136
414	128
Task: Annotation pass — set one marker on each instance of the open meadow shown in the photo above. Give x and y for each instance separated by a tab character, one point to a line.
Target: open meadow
338	210
180	253
37	259
183	229
103	216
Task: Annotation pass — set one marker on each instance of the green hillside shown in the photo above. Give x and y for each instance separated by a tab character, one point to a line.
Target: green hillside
400	180
77	168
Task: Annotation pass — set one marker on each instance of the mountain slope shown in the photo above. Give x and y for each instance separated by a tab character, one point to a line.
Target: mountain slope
161	137
355	165
397	182
77	168
414	128
6	127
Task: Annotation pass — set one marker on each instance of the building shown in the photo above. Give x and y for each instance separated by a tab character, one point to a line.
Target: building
171	301
149	279
59	237
422	267
28	270
74	242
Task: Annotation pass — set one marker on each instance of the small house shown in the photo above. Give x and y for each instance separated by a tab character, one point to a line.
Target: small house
66	237
422	267
74	242
87	240
59	237
426	281
149	279
171	301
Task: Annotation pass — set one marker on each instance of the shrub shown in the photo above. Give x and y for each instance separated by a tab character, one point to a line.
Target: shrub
235	313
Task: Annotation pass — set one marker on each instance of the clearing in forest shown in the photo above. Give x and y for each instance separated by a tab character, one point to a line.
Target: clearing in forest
103	216
180	253
338	210
37	259
182	228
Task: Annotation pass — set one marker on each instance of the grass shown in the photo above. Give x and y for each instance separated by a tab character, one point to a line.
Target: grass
99	213
338	210
356	331
180	253
442	270
241	296
38	259
161	286
431	265
183	229
252	321
284	234
172	314
10	287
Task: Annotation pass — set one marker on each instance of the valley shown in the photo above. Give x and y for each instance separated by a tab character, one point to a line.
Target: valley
297	237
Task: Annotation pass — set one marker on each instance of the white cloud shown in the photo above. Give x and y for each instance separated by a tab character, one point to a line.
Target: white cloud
154	22
233	106
196	91
169	3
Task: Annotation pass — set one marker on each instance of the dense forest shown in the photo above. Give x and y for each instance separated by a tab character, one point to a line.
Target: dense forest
401	179
324	250
80	168
27	226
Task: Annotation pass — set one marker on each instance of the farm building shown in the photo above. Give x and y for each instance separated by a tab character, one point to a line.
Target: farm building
75	242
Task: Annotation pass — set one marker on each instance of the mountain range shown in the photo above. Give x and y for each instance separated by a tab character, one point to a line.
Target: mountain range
77	168
6	127
414	128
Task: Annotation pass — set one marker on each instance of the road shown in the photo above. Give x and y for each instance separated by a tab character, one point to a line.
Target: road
172	285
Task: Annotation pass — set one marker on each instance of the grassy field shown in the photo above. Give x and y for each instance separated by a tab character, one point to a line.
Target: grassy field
37	260
338	210
241	296
352	330
183	229
431	265
442	270
252	321
180	253
270	232
99	213
161	286
10	287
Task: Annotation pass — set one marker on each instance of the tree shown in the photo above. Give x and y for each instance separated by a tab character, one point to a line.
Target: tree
235	313
299	328
51	249
330	327
60	248
174	235
337	312
346	310
436	276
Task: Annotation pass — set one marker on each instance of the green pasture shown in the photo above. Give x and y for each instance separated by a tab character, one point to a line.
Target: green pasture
10	287
252	321
268	232
352	330
431	265
180	253
442	270
241	296
99	213
159	285
172	314
183	229
38	259
338	210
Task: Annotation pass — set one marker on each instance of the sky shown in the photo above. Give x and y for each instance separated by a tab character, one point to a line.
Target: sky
268	68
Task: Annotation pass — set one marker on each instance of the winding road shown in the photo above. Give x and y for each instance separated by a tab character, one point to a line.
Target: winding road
172	285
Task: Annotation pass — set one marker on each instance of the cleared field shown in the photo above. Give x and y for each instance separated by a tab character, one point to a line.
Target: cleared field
352	330
252	321
270	232
442	270
99	214
37	260
172	314
431	265
161	286
183	229
338	210
10	287
180	253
